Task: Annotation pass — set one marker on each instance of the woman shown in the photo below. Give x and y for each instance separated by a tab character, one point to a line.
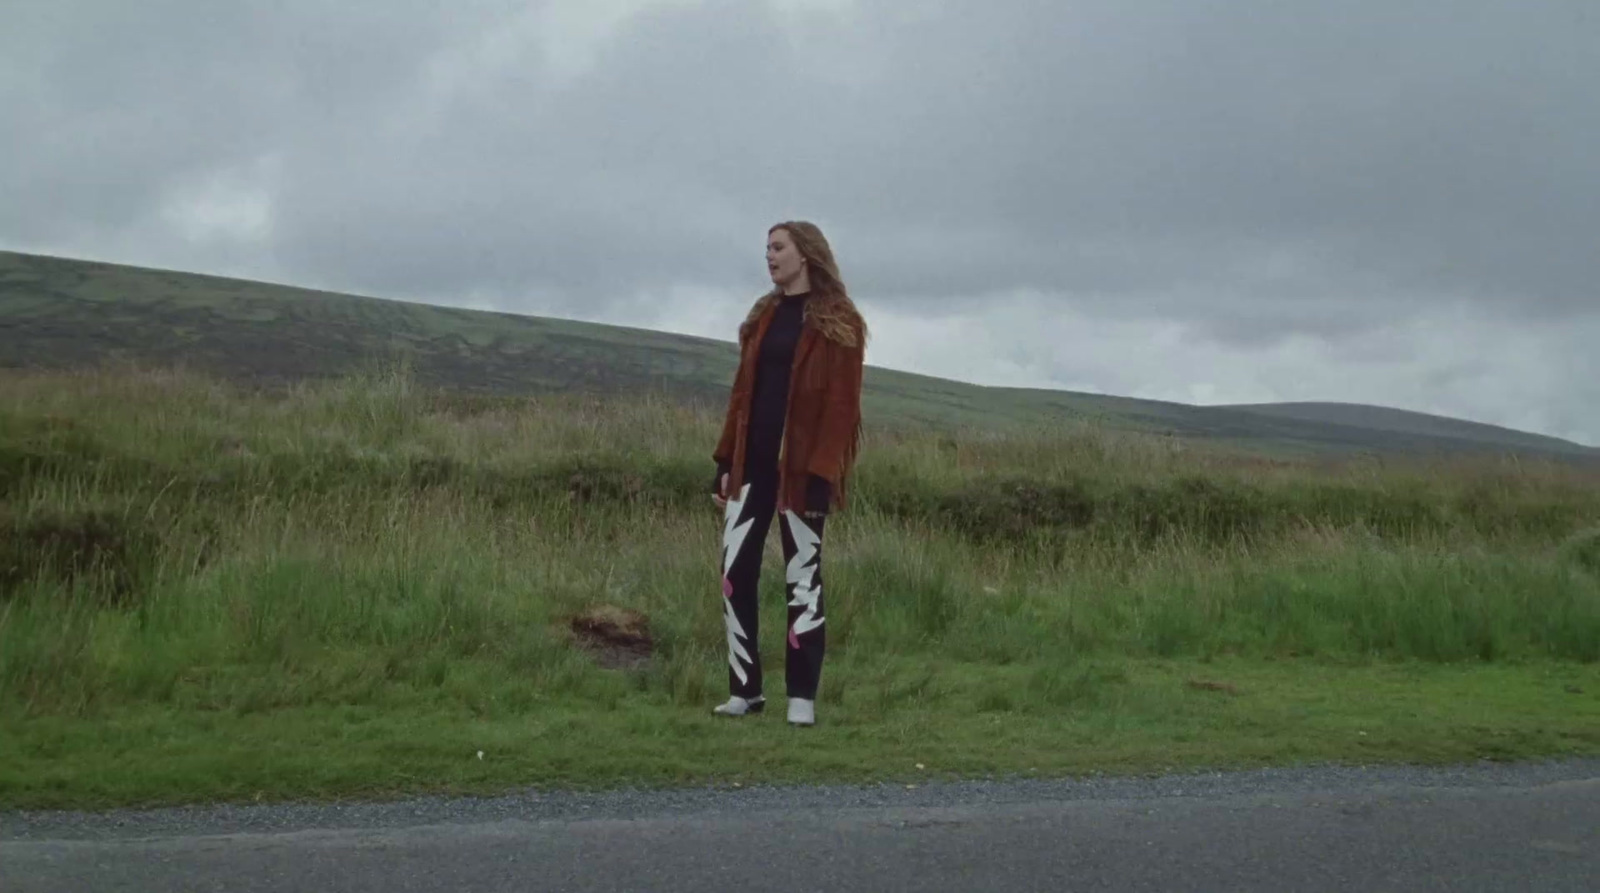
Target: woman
788	443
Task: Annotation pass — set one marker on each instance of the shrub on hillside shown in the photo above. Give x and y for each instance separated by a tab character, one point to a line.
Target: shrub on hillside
1211	510
1583	550
110	555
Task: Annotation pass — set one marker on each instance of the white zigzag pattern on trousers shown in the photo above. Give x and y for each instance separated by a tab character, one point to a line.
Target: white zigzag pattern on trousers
733	537
807	592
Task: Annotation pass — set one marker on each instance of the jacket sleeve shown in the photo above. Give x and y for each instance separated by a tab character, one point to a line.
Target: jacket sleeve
723	454
837	438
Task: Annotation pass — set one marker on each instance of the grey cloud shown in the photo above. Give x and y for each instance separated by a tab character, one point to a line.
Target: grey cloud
1446	154
591	190
117	105
968	147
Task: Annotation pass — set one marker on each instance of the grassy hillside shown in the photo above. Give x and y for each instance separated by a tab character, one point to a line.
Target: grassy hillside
59	313
362	587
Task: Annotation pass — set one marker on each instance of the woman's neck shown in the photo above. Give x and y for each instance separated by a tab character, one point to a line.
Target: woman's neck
800	285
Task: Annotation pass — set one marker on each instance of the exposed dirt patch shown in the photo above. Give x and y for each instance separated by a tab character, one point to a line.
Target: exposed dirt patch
1226	688
619	638
116	554
589	485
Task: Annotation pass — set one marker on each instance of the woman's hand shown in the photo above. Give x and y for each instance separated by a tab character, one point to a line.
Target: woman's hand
721	496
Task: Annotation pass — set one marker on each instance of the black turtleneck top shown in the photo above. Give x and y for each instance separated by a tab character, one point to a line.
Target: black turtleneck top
770	401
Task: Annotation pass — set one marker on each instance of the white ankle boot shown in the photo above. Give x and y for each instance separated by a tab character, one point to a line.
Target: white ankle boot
737	706
802	712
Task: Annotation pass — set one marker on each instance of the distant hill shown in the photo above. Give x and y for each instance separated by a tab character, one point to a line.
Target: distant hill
1404	422
62	313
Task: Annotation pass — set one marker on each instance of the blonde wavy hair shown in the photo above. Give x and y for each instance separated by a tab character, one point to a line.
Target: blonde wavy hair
830	308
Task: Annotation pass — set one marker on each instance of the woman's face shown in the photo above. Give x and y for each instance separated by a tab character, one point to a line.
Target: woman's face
784	262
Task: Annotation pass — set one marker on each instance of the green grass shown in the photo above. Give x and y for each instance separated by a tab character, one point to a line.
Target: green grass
955	720
352	587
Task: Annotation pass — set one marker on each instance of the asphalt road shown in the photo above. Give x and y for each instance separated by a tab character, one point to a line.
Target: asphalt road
1488	827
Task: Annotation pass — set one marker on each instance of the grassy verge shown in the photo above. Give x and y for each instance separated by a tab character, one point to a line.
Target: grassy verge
353	588
904	726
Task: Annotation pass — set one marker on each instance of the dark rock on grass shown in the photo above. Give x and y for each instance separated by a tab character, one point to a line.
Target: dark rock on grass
619	638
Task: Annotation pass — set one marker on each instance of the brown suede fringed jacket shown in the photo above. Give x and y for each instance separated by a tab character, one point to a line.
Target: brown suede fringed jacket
822	424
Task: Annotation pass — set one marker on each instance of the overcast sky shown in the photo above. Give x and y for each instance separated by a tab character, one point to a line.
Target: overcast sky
1388	202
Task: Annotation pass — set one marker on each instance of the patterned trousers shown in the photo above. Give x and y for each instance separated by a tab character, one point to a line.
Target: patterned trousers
745	525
